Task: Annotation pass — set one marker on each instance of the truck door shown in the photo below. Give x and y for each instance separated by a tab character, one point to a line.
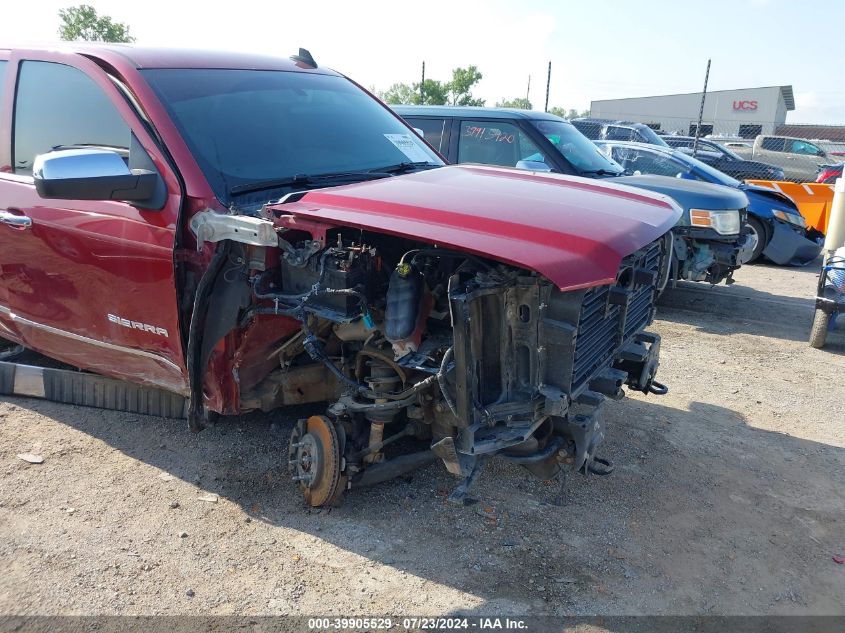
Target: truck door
807	158
435	131
90	283
772	149
7	327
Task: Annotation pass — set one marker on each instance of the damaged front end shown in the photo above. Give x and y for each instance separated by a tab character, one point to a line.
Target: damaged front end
431	353
704	255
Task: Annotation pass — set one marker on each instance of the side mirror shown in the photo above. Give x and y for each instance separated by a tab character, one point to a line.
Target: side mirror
90	174
533	165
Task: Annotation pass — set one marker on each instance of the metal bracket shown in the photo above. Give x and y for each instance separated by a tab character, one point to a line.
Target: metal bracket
556	403
210	226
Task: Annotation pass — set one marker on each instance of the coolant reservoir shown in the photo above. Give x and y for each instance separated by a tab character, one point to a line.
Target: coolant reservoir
402	317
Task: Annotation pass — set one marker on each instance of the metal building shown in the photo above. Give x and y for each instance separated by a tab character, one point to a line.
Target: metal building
746	112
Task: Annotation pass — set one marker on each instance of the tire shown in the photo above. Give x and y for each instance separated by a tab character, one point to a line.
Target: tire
818	333
762	237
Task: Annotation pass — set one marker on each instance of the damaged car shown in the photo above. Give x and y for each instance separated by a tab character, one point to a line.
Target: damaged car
252	232
710	235
776	228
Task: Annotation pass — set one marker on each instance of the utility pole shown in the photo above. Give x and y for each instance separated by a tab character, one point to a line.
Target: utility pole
701	111
548	83
528	91
422	85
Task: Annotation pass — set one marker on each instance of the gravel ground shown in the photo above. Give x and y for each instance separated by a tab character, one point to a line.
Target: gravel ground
727	499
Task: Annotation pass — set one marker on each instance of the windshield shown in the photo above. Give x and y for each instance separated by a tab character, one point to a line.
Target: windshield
576	148
706	172
650	136
727	151
248	126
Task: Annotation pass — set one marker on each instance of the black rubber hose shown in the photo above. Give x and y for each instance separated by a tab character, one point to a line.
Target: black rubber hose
314	348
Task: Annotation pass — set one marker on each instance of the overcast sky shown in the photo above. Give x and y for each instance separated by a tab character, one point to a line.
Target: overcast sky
599	49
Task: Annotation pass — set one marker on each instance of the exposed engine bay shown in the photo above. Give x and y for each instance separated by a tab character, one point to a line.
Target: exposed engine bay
430	353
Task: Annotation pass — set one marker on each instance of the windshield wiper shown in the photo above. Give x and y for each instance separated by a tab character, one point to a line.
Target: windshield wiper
305	179
602	172
401	168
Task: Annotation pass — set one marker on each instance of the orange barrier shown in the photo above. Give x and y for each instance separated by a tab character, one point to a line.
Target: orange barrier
812	198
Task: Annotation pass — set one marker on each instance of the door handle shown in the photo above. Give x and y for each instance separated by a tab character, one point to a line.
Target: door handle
18	222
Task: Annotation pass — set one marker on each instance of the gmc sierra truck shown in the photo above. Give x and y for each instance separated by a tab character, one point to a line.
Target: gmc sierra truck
250	233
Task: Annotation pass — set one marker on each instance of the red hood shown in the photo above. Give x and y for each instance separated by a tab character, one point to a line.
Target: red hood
572	230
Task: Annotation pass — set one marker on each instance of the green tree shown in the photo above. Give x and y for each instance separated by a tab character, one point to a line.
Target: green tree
460	88
435	93
520	102
568	114
82	23
458	91
400	94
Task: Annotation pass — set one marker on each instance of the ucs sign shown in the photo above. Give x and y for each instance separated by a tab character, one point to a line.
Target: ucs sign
745	105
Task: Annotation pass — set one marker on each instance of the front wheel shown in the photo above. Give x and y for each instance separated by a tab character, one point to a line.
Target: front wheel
818	333
757	240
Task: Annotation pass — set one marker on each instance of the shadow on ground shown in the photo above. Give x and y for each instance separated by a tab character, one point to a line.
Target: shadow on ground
704	514
739	308
668	532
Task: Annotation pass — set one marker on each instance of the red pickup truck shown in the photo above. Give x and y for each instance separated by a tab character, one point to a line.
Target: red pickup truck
253	232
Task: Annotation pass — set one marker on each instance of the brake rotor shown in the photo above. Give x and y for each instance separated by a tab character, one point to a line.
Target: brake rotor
314	458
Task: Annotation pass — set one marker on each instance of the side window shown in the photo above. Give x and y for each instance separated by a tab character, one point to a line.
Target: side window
649	163
710	147
435	131
803	147
495	143
58	106
773	143
616	133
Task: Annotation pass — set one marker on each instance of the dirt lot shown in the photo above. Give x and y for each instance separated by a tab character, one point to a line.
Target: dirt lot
728	498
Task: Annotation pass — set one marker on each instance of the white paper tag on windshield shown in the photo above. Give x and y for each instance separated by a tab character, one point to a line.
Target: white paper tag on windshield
406	144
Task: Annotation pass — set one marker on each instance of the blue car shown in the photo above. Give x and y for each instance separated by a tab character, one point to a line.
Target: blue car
777	230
